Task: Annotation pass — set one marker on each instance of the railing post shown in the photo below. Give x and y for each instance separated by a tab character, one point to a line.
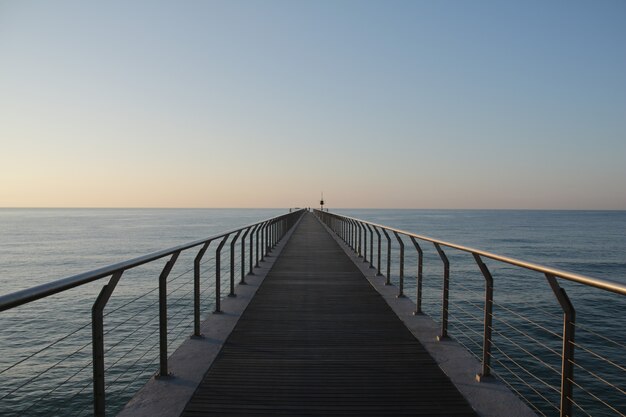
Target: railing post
163	372
486	365
364	242
279	230
243	256
268	238
401	281
359	251
388	278
251	256
351	235
282	229
348	232
445	292
567	363
232	264
97	344
218	273
378	273
418	287
258	232
196	289
273	234
371	245
262	242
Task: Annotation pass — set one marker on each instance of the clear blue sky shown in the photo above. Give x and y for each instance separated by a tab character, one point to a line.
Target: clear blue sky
417	104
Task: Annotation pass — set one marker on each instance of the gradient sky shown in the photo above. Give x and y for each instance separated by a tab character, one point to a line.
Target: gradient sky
416	104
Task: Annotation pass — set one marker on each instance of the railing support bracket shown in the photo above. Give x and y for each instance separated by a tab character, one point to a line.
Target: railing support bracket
97	344
567	363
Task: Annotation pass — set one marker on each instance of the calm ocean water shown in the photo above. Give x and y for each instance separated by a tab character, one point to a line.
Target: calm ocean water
41	245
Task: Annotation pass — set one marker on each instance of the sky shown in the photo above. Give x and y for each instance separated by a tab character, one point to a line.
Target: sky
379	104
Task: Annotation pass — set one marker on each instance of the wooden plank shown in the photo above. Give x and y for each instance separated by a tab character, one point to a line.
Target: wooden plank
317	339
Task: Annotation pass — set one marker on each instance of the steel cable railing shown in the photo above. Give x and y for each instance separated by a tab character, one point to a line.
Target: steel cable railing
179	323
59	373
543	355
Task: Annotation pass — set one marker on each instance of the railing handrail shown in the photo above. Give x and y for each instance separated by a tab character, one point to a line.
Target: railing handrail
27	295
603	284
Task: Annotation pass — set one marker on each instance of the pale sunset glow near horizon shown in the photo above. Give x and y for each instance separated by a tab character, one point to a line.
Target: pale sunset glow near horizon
404	104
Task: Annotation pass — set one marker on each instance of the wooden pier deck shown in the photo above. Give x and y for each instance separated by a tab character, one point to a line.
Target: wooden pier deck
317	339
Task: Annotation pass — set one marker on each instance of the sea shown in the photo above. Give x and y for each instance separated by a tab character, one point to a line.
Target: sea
45	346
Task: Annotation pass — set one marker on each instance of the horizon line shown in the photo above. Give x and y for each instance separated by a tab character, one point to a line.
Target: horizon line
298	207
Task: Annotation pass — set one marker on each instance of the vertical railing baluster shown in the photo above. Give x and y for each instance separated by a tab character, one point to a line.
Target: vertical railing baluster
242	281
97	344
567	359
351	237
196	289
487	321
418	289
264	240
276	233
371	245
445	292
268	243
378	273
218	276
232	264
401	280
364	242
360	251
163	314
268	238
258	232
388	277
251	255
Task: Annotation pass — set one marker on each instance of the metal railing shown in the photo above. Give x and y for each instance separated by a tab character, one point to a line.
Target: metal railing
262	238
354	232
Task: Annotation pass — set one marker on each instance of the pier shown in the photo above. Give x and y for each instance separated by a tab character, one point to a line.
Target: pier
317	339
319	325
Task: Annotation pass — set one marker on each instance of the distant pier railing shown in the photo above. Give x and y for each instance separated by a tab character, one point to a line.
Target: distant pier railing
255	241
601	389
